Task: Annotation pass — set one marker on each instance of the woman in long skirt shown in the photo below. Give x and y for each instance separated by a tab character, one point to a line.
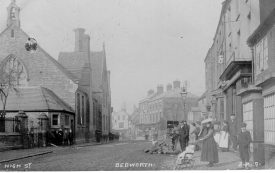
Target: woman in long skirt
209	151
224	138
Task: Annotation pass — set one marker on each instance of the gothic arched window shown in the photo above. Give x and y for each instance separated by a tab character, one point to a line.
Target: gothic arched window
15	71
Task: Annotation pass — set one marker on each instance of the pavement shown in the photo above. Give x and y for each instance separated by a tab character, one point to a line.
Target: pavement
123	155
18	153
227	161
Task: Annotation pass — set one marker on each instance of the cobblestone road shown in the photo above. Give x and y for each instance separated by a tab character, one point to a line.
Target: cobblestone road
115	156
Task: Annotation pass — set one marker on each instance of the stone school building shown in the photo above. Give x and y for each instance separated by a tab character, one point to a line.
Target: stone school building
50	97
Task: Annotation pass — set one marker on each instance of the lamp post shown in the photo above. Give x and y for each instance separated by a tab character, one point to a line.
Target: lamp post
183	94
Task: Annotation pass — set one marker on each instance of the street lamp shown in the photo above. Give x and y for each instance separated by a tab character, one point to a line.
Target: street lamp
183	94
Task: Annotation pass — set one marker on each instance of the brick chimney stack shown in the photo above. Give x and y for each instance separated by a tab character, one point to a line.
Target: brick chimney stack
82	40
79	33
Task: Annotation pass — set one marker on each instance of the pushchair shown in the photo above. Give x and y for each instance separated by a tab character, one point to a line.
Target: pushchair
185	159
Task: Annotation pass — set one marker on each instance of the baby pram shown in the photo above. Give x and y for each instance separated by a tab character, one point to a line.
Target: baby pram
185	159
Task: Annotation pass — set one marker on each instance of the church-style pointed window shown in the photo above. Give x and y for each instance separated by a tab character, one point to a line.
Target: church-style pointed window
15	71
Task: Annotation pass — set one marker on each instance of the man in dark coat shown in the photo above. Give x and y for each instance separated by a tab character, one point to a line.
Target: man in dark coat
184	134
233	132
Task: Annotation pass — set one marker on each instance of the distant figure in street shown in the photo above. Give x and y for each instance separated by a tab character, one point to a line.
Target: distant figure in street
195	134
244	140
224	137
65	137
209	151
192	135
233	132
183	134
71	139
175	136
60	136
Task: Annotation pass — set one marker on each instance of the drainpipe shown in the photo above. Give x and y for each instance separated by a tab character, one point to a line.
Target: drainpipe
252	65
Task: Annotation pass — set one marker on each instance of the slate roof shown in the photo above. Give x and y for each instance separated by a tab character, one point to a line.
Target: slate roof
75	62
59	66
36	99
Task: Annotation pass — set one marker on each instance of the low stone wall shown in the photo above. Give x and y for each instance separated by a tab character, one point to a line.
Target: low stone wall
11	139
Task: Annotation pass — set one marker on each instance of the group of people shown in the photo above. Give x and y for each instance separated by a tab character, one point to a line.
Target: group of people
205	136
62	137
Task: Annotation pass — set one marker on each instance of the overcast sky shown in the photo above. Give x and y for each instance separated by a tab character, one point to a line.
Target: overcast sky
148	42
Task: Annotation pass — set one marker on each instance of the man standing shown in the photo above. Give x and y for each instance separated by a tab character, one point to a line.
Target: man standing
233	132
183	134
244	140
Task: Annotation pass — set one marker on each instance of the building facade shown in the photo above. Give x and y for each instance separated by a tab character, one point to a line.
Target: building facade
91	70
162	106
231	68
258	96
38	68
75	85
120	124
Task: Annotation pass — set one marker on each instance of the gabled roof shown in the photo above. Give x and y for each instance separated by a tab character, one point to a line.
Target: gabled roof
59	66
36	99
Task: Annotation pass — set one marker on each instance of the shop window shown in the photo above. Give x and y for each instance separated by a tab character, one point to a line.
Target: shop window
269	119
261	56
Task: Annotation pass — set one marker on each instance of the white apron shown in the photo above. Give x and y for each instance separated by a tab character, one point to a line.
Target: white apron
217	137
224	139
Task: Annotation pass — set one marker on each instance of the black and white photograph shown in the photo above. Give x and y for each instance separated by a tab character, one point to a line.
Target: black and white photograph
137	85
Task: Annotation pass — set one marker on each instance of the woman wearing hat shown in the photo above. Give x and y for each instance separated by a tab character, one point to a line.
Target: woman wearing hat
209	151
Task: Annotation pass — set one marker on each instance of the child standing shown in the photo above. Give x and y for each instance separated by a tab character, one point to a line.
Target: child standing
244	140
